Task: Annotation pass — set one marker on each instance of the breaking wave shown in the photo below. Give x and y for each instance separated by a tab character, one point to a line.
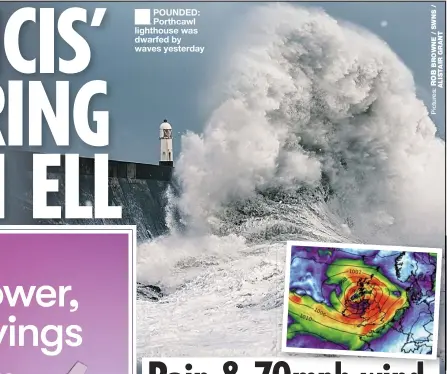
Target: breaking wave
317	135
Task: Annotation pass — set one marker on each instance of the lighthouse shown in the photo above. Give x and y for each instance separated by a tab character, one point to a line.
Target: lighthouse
166	156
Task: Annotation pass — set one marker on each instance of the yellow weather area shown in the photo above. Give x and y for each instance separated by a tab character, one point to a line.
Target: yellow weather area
364	309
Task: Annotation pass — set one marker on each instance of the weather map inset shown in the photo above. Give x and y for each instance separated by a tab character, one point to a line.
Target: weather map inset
362	300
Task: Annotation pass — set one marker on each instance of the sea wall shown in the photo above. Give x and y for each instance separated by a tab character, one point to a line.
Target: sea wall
143	203
139	188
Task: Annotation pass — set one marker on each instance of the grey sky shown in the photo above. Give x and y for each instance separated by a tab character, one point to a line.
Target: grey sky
145	88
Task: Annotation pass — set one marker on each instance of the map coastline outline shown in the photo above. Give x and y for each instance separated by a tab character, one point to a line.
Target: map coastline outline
358	353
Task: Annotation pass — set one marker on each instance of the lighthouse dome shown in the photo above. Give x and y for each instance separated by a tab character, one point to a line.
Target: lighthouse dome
165	125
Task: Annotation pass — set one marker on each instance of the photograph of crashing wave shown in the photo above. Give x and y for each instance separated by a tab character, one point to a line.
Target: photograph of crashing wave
299	121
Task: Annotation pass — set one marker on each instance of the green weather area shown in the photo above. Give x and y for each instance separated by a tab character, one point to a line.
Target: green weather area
434	255
364	306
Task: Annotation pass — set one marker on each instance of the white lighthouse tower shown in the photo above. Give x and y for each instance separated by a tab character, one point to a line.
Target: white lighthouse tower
166	156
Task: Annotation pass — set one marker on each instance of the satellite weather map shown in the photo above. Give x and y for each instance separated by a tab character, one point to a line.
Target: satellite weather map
348	299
